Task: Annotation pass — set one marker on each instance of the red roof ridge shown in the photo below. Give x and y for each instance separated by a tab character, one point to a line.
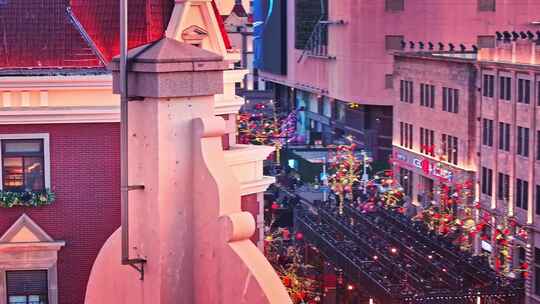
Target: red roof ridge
224	34
80	28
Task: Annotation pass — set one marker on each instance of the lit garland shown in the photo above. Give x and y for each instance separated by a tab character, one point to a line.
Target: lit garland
286	259
393	197
453	214
260	129
10	199
345	167
353	105
505	235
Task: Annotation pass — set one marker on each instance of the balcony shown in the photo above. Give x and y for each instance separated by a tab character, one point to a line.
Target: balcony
246	162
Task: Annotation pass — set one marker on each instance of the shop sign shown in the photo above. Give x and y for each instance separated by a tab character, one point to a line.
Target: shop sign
429	167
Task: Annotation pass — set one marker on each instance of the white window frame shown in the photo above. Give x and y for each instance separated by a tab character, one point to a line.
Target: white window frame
29	255
46	154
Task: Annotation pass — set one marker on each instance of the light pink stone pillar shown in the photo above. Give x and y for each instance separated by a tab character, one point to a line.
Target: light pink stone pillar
187	221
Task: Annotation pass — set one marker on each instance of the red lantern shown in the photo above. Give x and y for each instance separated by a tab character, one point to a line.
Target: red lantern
300	296
286	234
287	281
497	264
299	236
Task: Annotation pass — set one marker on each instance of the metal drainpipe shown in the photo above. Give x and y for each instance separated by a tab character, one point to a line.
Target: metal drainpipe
137	264
124	131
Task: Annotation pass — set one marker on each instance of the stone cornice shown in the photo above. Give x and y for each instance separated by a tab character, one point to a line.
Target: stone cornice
37	83
257	186
240	154
52	115
34	246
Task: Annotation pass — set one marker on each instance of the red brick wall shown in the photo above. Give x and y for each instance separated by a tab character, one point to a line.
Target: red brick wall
85	175
251	205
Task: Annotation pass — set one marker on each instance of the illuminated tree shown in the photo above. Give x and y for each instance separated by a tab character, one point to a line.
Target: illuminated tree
261	128
345	169
283	250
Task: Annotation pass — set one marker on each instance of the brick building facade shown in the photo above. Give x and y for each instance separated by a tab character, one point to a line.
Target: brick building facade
347	56
494	120
509	78
84	175
59	131
434	122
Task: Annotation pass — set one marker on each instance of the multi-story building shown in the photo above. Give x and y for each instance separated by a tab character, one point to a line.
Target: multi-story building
59	133
343	51
434	121
465	116
508	143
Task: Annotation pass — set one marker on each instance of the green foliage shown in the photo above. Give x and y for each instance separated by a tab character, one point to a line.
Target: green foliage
10	199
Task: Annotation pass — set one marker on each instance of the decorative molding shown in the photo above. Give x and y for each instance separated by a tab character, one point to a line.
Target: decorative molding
221	108
44	98
257	186
240	154
194	33
51	115
59	82
234	75
25	222
29	255
246	162
25	99
6	99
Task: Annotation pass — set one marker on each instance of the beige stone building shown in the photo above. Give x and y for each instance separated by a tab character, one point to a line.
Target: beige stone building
434	122
465	116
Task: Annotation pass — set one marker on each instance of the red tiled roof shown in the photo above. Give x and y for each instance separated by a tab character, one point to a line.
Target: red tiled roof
147	22
42	34
39	34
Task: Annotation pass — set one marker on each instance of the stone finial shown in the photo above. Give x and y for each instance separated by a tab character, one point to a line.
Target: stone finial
169	68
